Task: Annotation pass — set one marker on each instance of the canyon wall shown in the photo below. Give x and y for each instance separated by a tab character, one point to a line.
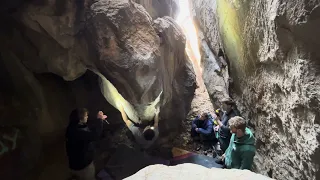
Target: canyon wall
271	48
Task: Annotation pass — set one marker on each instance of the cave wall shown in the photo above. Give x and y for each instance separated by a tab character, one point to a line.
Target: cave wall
274	64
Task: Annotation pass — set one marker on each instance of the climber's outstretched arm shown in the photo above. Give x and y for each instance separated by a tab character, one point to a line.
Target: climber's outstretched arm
156	118
125	117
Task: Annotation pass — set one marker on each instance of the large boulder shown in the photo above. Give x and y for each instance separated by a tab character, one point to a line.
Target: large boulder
193	171
271	46
117	39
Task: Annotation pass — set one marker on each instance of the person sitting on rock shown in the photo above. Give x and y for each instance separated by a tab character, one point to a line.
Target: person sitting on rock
202	130
228	106
79	142
145	136
241	150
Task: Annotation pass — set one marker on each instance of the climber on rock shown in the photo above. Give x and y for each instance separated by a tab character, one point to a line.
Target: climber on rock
79	142
224	135
241	150
145	136
202	130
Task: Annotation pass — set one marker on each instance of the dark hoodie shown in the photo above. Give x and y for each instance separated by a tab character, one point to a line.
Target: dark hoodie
80	147
241	151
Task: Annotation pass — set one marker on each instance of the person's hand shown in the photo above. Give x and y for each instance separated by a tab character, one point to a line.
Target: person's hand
194	126
197	129
101	116
157	111
216	128
223	156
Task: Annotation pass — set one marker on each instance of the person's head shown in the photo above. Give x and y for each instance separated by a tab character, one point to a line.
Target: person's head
227	104
79	116
204	116
148	133
237	126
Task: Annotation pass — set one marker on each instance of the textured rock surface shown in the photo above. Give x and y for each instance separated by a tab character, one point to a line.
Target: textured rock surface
193	171
215	69
271	46
160	8
117	38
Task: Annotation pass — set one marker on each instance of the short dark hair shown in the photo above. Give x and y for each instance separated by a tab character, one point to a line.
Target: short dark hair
206	115
82	112
228	101
76	115
149	134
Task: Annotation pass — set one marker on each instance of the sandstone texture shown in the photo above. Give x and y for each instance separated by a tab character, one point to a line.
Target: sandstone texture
193	171
271	49
58	55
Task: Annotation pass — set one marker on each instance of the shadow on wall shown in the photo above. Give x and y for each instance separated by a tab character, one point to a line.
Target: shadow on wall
34	111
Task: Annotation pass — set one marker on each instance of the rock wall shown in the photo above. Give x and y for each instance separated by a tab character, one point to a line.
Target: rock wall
49	50
271	48
160	8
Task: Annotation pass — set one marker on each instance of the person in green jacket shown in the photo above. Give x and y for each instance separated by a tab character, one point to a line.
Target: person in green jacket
241	150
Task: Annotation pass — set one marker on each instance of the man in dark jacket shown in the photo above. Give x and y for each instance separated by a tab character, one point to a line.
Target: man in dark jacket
224	131
202	129
79	142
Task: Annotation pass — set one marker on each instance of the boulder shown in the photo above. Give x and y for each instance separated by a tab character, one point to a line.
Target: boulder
193	171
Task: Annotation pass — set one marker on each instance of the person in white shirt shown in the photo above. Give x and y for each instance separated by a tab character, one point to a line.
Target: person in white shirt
146	136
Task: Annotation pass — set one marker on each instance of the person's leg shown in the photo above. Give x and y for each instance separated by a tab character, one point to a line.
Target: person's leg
224	143
193	132
89	172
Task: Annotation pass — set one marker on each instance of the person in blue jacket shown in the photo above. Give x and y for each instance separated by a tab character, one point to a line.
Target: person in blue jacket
202	129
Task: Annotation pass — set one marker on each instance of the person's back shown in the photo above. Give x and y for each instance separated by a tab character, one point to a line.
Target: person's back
79	146
144	136
79	142
241	150
225	132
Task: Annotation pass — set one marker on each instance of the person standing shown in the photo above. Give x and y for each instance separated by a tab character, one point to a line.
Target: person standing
223	126
241	150
79	142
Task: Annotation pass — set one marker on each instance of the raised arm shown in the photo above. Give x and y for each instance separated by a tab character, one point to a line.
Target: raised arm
125	117
156	118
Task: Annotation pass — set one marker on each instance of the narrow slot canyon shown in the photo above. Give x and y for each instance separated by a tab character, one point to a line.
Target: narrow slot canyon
140	61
